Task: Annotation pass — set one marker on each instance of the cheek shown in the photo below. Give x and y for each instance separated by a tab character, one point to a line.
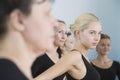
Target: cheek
58	37
38	33
67	44
70	45
100	49
56	40
86	39
89	40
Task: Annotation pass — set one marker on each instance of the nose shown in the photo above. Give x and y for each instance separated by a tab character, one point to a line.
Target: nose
64	36
97	37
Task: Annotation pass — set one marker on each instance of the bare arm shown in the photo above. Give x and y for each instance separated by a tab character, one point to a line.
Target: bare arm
62	66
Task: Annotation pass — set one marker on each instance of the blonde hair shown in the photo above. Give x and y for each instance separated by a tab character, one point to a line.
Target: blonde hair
83	21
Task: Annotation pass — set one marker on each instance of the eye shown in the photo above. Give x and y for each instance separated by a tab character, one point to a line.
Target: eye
100	33
102	45
59	31
108	45
92	32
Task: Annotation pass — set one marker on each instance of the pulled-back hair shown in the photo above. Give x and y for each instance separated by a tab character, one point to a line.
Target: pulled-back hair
83	21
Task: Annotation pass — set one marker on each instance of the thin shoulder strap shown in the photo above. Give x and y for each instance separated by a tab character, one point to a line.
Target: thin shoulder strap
77	51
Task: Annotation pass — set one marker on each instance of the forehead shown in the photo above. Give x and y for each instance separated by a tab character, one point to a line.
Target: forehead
95	26
105	41
61	26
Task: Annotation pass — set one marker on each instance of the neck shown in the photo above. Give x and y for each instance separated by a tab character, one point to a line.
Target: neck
53	50
103	58
78	46
53	55
14	48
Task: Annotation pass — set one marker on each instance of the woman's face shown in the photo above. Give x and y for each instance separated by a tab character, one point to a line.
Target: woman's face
91	35
60	34
39	26
69	43
104	47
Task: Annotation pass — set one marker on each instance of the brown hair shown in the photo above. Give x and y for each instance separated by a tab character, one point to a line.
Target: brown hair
104	36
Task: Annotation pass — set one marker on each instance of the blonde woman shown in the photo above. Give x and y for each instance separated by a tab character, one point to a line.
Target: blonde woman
87	31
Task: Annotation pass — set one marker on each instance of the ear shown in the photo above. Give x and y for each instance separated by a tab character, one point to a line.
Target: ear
16	18
77	34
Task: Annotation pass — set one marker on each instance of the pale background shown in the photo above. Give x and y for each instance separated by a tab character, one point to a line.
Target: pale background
107	10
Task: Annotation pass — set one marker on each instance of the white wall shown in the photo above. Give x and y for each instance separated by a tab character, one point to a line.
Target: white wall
107	10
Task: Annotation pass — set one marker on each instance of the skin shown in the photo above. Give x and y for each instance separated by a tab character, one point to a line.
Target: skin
69	43
74	65
28	36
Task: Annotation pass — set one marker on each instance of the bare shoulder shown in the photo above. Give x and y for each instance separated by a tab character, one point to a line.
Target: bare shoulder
72	57
75	54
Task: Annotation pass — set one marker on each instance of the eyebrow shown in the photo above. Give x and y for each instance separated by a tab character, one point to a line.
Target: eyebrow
94	30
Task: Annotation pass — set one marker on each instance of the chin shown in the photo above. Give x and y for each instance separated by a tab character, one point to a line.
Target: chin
93	47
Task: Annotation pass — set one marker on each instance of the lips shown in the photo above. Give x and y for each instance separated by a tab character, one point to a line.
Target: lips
106	50
95	44
62	41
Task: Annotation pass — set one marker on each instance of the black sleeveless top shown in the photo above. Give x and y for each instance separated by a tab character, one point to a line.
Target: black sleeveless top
91	74
9	71
41	64
109	73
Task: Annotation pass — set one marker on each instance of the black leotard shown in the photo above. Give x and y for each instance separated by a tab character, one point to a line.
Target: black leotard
41	64
9	71
109	73
91	74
